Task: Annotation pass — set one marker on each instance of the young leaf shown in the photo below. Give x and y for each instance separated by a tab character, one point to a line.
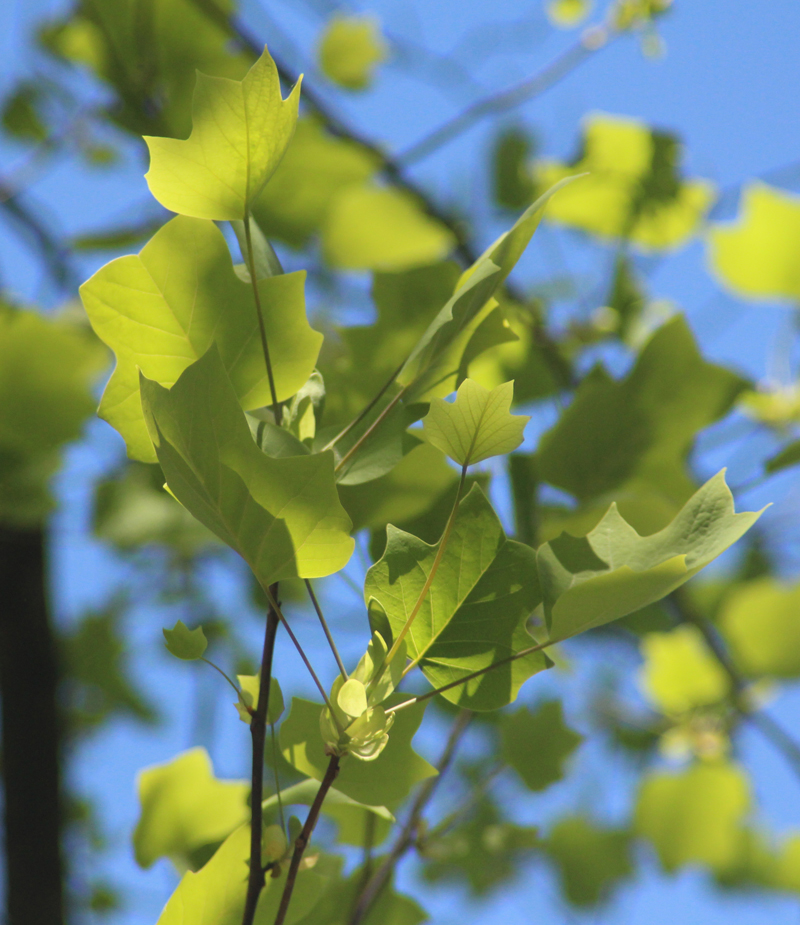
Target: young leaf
476	610
240	130
612	571
537	744
185	643
695	815
282	516
248	699
184	807
386	781
477	425
162	309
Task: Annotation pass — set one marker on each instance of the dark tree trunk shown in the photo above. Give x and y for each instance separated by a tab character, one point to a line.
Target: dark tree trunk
31	734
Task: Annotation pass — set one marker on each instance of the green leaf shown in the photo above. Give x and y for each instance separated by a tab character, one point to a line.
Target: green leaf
476	610
694	816
264	257
590	860
350	49
381	228
389	908
161	310
282	516
477	425
759	620
632	437
513	182
538	744
447	335
215	894
612	571
240	130
250	685
47	368
633	189
788	456
350	815
758	256
185	643
680	673
386	781
184	807
21	115
567	14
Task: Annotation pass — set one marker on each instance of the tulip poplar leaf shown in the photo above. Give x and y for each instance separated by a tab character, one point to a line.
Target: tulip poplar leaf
185	643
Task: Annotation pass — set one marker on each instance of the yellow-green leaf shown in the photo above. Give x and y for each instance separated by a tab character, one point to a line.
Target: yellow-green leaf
350	49
679	673
184	807
161	310
185	643
240	130
477	425
758	256
568	13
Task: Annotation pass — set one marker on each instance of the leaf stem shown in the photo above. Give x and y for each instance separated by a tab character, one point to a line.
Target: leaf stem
217	668
258	729
370	430
410	830
326	629
431	575
304	837
277	407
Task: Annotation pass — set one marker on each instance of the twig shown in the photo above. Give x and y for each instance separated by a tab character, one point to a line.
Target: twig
305	836
258	732
326	629
591	41
410	830
370	430
54	254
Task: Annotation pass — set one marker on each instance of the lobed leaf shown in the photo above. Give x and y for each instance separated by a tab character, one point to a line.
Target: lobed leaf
185	643
538	743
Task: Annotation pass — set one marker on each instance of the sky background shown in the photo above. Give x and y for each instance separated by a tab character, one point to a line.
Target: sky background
728	85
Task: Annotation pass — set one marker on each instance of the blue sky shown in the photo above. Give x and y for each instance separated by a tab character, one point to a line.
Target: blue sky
729	85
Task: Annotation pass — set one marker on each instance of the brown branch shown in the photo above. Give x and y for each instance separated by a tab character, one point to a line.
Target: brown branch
304	837
258	732
410	831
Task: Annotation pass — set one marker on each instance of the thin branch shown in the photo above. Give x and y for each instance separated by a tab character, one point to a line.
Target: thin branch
53	253
258	731
370	430
326	629
217	668
305	836
766	725
590	42
410	831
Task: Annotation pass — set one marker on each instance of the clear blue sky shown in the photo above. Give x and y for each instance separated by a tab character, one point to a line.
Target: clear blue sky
729	85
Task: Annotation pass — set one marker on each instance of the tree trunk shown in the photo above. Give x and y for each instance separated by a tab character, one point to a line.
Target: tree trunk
31	734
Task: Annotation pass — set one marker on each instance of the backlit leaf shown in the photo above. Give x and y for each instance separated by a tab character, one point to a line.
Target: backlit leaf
240	130
695	815
184	643
476	425
476	610
386	781
350	49
183	807
612	571
538	743
282	516
590	860
568	13
162	309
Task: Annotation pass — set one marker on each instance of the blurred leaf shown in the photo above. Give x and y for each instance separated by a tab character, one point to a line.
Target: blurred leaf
381	228
695	815
758	256
47	368
21	116
680	673
760	621
386	781
590	860
485	851
389	908
476	609
184	643
476	425
568	13
132	509
538	744
183	807
592	580
95	662
776	407
118	237
637	14
350	49
240	130
633	190
161	310
214	468
513	185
